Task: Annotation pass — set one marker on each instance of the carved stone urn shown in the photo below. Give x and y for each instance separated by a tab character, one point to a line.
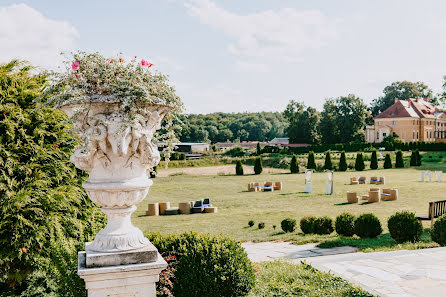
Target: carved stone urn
117	153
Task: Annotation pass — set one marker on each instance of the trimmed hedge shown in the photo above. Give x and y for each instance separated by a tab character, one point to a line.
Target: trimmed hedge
374	160
359	164
288	225
323	225
404	226
345	224
368	226
438	232
307	225
387	162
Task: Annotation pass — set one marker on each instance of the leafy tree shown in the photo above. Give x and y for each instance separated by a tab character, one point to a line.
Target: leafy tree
258	167
399	163
359	164
387	162
374	160
42	204
328	164
302	123
294	167
402	90
343	162
238	168
311	163
258	149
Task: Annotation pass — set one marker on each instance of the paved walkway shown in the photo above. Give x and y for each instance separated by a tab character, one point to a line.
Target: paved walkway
415	273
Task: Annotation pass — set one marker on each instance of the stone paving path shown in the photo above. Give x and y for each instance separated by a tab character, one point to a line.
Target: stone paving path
414	273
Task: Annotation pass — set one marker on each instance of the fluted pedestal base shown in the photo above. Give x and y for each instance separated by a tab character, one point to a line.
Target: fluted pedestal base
135	280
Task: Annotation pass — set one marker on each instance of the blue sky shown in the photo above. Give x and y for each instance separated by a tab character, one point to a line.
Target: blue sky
245	55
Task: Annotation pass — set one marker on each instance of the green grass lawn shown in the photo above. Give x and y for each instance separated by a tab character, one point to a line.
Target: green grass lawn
236	206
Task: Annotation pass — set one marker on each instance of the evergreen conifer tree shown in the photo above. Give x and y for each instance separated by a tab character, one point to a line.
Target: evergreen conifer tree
343	162
311	164
258	167
238	168
359	164
413	158
418	158
374	160
328	164
258	149
294	167
399	163
387	162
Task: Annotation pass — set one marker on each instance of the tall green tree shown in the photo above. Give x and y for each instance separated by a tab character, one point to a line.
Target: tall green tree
399	163
374	160
359	163
303	123
238	168
343	162
294	166
42	204
258	149
387	162
328	164
311	163
258	167
402	90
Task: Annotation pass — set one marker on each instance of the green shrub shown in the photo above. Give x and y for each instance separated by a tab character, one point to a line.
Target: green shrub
359	164
182	156
404	226
294	167
261	225
368	226
251	223
238	168
323	225
311	164
374	160
288	225
387	162
258	168
343	162
399	163
307	225
236	151
438	232
345	224
258	149
418	158
328	164
414	159
211	266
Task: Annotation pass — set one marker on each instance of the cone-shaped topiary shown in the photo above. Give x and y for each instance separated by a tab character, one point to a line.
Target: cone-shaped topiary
258	167
238	168
374	160
399	163
294	167
404	226
418	158
387	162
343	162
414	158
311	164
359	164
258	149
328	164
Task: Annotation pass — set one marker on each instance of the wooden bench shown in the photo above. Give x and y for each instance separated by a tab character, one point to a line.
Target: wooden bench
436	209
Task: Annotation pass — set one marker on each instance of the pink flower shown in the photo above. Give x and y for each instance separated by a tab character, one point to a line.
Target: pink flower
144	62
149	65
75	65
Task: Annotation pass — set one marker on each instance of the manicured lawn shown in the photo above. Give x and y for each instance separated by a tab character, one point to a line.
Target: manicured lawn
236	206
285	279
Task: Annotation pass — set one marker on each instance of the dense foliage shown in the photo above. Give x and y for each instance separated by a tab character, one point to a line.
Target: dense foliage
311	163
359	163
374	160
323	225
438	232
44	212
294	166
404	226
399	163
368	226
258	167
307	225
213	266
303	123
345	224
387	162
342	162
288	225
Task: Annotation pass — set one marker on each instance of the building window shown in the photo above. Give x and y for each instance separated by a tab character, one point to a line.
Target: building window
379	123
377	135
384	134
394	123
417	135
413	135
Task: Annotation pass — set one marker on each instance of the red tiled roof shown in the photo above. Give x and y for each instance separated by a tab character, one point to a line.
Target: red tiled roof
414	108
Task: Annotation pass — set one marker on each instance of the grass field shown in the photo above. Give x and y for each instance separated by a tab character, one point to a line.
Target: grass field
236	206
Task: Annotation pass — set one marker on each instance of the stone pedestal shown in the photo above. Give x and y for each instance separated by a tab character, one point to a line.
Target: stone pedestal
134	280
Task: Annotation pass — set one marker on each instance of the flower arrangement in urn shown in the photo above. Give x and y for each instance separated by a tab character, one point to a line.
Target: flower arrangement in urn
116	108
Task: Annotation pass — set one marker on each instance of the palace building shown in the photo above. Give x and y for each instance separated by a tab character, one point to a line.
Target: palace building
411	120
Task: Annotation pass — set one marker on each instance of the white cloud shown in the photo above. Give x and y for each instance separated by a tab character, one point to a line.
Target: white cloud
27	34
242	66
272	32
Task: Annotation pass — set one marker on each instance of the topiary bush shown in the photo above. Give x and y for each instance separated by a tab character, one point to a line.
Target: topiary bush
343	162
258	167
359	163
311	164
418	158
374	160
307	225
251	223
438	232
258	149
323	225
387	162
345	224
399	163
207	265
328	165
294	166
261	225
288	225
413	159
404	226
368	226
238	168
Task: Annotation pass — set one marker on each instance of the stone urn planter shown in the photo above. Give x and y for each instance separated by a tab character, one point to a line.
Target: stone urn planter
117	153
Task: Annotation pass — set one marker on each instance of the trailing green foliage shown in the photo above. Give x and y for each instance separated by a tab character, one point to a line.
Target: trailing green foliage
387	162
368	226
359	163
438	232
343	162
311	164
288	225
404	226
374	160
294	167
328	164
345	224
258	167
239	168
399	163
